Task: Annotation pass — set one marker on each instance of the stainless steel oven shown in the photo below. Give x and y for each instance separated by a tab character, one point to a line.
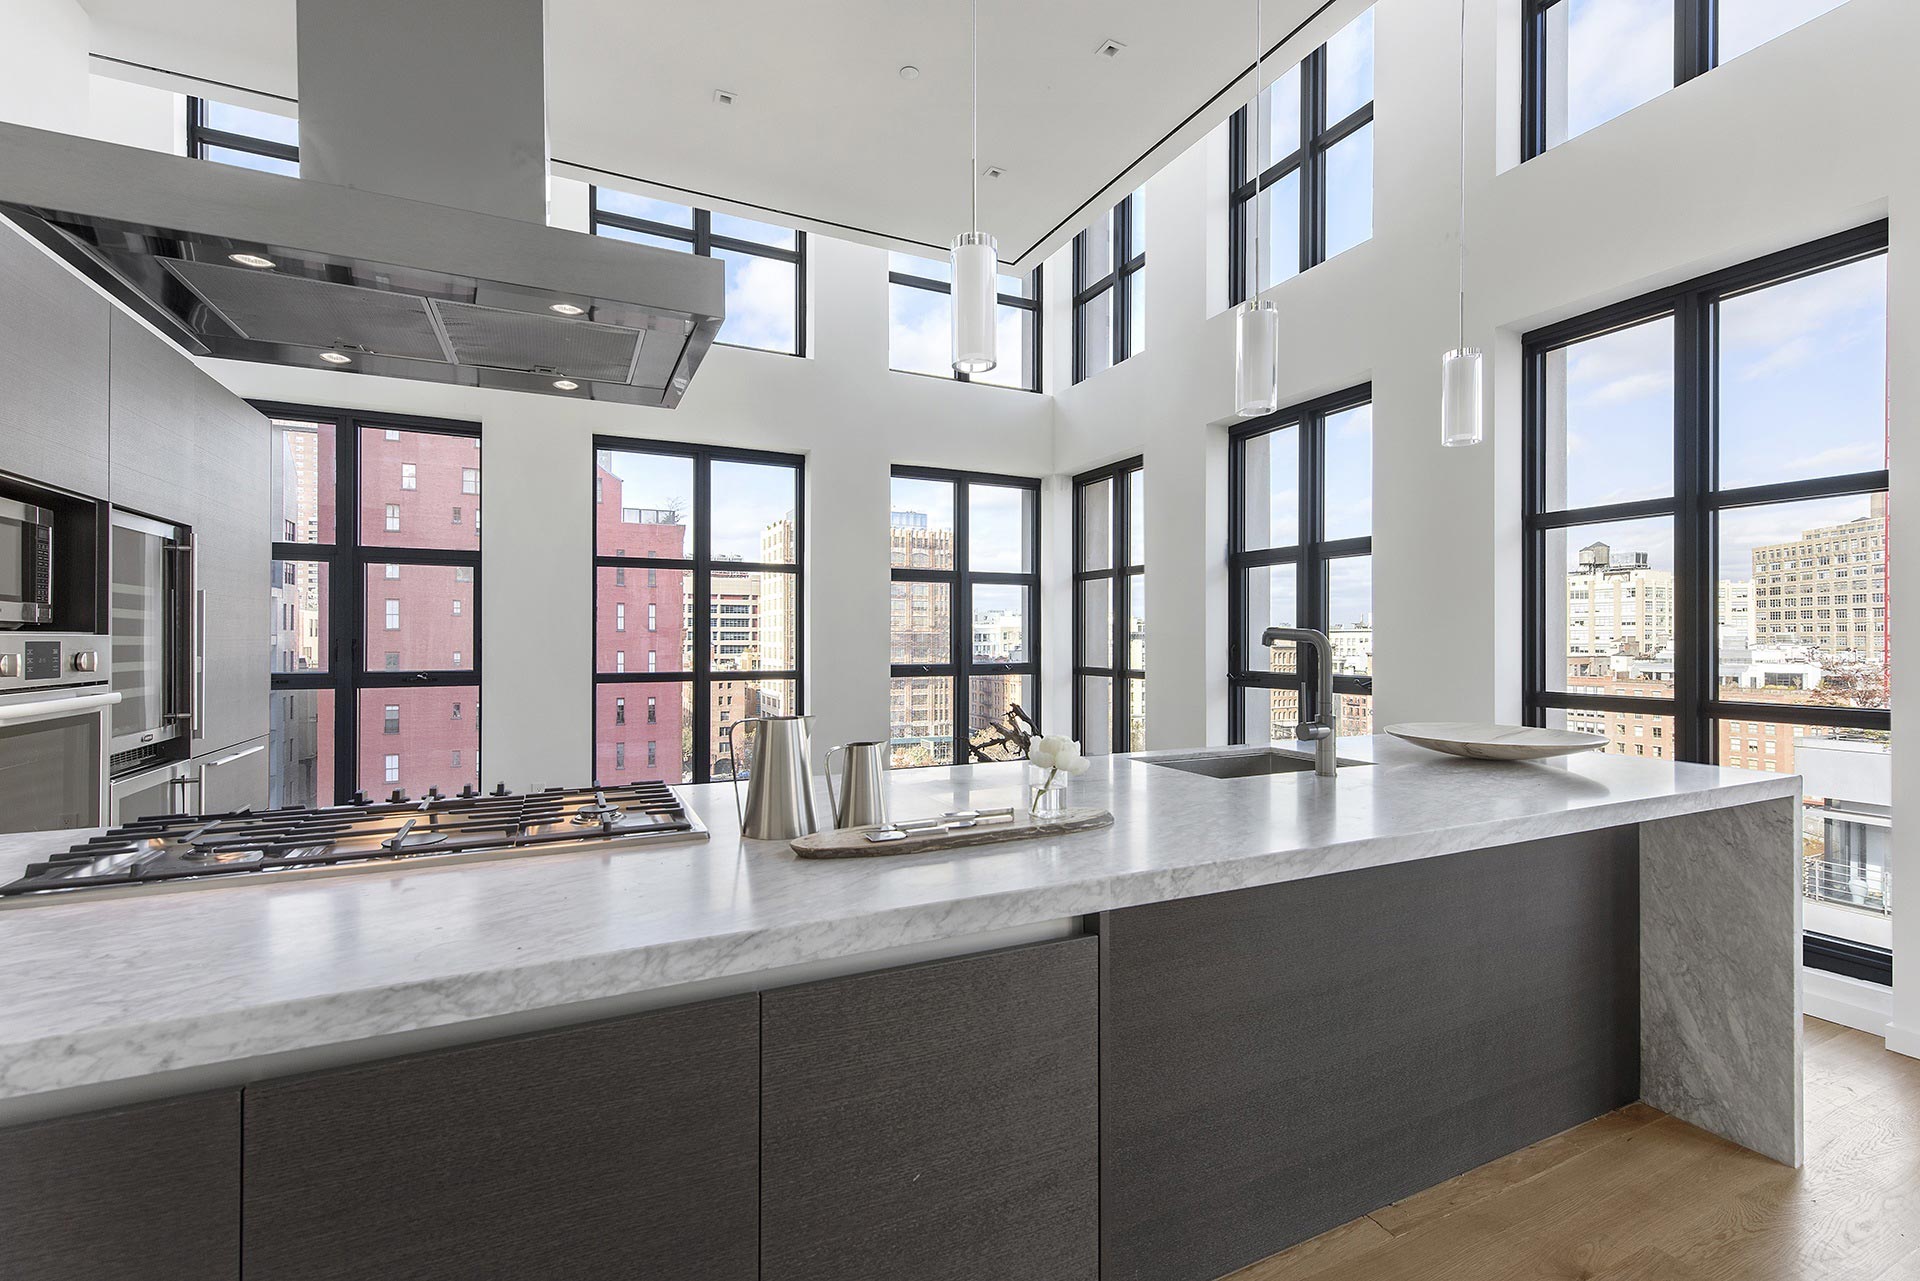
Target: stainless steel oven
156	637
54	704
26	564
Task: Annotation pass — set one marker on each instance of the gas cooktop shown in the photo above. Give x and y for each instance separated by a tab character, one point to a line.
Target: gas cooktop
190	850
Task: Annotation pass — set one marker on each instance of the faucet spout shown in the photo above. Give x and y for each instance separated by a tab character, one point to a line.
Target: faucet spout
1323	730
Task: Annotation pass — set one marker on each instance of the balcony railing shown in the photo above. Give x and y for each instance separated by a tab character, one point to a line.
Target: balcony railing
1869	889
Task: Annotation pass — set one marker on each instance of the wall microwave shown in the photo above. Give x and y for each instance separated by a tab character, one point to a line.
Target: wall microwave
26	564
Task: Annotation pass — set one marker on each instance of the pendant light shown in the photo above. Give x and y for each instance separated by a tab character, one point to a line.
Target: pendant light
1256	326
975	261
1460	369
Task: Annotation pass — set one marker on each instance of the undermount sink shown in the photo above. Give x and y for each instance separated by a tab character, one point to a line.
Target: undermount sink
1243	763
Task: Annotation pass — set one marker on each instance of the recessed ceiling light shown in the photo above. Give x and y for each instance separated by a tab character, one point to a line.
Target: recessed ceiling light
1108	49
336	358
566	384
566	309
724	97
909	72
993	171
252	260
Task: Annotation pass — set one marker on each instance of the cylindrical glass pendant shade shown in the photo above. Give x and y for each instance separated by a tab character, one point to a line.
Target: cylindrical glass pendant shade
976	266
1256	359
1460	418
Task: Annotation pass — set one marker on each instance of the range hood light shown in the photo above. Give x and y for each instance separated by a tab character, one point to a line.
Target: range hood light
567	309
336	358
566	384
253	260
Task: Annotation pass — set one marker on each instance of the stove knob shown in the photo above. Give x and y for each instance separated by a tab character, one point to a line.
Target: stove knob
501	790
399	796
86	660
10	666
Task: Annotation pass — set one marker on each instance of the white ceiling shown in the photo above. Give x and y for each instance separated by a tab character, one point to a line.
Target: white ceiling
824	131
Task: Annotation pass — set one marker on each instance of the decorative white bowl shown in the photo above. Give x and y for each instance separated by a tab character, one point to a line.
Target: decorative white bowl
1484	741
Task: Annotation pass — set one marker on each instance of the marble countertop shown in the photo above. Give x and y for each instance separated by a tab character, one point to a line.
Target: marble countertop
104	990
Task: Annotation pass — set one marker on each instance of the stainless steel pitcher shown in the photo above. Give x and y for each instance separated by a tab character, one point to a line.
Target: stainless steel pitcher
862	801
779	803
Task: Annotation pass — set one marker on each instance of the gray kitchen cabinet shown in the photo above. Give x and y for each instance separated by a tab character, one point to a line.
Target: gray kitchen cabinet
1278	1061
619	1149
234	778
187	451
936	1121
53	368
145	1193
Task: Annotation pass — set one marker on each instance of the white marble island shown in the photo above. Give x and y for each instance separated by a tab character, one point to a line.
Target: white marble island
144	996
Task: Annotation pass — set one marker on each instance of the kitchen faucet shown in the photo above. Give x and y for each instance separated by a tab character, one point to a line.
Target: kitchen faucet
1320	731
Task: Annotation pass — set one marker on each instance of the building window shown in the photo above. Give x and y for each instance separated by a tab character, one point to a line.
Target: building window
766	264
1314	185
243	137
1677	572
620	756
1109	609
469	480
355	579
1302	556
920	323
456	515
1110	288
652	756
964	614
619	711
1587	62
453	761
723	597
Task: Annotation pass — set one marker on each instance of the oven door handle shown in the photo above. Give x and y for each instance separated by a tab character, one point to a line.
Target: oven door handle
43	709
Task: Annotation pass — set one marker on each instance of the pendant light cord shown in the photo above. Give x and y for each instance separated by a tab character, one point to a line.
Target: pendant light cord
976	116
1259	160
1461	242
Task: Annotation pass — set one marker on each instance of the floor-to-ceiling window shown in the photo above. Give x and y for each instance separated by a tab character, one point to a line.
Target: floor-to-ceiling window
964	612
244	137
698	593
1110	288
1110	608
1302	556
374	633
920	323
1706	514
766	264
1588	61
1316	170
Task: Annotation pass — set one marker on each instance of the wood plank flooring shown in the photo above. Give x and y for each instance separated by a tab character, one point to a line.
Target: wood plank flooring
1637	1195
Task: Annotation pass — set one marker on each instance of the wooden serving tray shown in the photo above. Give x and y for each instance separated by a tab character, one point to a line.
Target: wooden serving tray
852	842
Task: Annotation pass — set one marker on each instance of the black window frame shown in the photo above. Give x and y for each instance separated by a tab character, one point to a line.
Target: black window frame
1118	575
1310	557
1128	259
346	560
960	581
1694	506
1318	136
700	239
1696	51
1030	304
700	676
201	135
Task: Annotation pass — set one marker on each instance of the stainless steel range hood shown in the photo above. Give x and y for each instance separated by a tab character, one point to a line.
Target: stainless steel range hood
374	271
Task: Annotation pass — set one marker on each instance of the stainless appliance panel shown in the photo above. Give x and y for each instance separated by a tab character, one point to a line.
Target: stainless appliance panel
154	667
26	564
234	780
51	768
151	793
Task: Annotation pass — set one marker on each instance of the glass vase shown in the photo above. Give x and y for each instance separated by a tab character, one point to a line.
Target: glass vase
1046	792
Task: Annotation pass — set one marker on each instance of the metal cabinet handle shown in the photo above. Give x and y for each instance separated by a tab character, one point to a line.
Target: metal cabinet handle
237	756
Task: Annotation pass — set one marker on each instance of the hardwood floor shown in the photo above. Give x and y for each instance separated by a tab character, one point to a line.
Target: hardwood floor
1639	1196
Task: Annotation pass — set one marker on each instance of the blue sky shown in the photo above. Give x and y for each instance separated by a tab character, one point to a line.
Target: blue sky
1802	394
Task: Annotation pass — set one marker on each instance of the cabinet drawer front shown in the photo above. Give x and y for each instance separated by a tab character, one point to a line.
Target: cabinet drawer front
612	1150
935	1122
146	1193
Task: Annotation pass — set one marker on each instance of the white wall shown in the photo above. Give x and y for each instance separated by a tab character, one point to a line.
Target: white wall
43	64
